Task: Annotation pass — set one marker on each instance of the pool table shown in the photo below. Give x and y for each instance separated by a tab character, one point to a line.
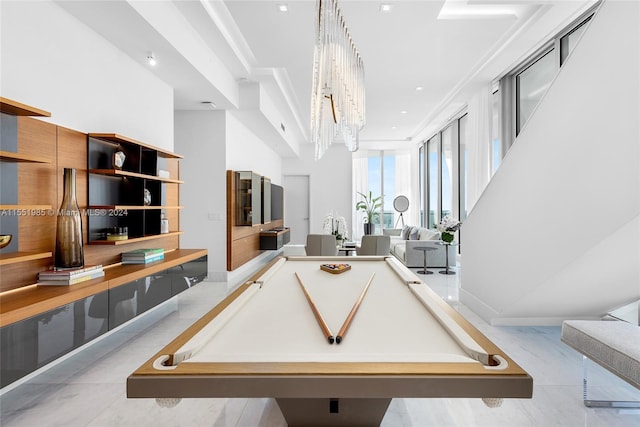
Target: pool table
264	340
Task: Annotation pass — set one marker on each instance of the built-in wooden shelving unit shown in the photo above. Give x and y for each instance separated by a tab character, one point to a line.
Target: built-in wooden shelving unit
24	207
34	153
134	207
135	239
117	139
23	211
118	172
16	257
8	156
15	108
133	195
28	301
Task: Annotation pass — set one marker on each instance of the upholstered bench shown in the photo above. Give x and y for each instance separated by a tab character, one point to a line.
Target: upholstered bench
615	345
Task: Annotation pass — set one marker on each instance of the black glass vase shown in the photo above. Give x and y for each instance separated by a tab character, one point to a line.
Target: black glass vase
69	248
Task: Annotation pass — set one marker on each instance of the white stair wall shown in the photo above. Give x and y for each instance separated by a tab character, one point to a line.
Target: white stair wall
556	233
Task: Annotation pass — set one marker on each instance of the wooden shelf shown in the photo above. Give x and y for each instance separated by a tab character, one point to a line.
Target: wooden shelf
24	207
133	207
15	108
22	303
135	239
121	173
8	156
118	139
16	257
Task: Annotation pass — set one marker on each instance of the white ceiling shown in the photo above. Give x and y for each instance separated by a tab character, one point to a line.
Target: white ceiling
408	47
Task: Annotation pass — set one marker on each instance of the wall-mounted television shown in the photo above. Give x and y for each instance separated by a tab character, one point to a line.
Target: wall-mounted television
277	202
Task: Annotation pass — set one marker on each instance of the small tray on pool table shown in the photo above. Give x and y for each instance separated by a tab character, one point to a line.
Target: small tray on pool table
335	268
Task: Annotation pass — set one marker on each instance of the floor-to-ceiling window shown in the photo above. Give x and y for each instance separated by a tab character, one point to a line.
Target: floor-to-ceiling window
433	181
421	185
388	174
447	172
496	145
464	163
443	172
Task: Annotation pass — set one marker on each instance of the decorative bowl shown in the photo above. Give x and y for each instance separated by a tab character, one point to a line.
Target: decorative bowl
5	239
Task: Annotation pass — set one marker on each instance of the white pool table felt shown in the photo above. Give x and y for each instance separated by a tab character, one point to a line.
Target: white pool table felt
274	322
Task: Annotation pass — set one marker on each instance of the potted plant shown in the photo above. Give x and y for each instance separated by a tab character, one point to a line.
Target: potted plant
447	227
336	224
371	207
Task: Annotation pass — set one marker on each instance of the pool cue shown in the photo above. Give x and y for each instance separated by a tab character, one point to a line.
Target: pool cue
321	322
352	314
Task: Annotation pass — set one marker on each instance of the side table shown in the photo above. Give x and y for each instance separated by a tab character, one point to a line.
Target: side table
346	249
446	256
424	250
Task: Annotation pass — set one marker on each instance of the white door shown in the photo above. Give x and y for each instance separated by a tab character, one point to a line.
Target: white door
296	207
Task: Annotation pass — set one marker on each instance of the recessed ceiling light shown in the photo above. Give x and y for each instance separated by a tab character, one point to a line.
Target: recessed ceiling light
403	112
394	127
151	59
283	8
386	7
419	88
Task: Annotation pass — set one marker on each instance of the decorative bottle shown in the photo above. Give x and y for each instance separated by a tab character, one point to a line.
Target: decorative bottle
69	250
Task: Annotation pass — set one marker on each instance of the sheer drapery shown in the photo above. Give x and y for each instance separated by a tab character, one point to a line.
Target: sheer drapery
360	185
478	138
403	186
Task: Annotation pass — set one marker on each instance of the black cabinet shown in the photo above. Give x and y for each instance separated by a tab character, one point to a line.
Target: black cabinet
32	343
274	239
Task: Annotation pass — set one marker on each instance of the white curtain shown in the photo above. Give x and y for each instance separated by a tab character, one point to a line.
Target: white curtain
360	184
478	138
404	187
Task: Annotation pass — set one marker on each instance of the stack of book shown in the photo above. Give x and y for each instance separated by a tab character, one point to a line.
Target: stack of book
143	256
55	277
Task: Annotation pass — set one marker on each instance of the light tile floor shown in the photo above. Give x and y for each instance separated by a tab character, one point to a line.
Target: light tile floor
89	388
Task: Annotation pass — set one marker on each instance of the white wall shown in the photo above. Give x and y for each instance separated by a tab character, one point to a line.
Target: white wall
200	138
247	152
53	62
556	233
329	182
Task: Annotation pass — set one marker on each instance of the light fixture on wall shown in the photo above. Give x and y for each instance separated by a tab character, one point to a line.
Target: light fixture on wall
210	104
338	96
151	59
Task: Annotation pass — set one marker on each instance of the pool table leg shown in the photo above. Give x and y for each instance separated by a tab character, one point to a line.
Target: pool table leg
333	412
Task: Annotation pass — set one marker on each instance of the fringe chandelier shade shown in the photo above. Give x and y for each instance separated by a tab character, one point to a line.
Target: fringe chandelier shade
337	99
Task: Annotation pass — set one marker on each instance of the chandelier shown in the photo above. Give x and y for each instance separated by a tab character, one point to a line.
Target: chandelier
337	99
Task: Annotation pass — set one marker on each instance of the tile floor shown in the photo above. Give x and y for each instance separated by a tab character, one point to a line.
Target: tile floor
89	388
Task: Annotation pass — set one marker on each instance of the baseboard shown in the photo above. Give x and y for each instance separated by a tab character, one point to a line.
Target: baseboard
493	317
476	305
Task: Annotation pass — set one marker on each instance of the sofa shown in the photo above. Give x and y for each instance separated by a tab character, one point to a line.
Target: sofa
404	241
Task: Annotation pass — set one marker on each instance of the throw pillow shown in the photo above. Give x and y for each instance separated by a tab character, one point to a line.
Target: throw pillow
426	234
413	235
404	234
